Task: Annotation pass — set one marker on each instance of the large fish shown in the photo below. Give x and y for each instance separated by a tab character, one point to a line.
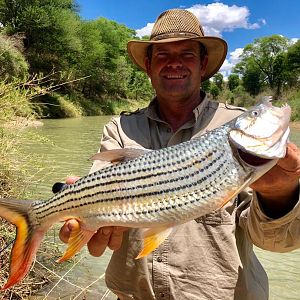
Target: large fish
154	189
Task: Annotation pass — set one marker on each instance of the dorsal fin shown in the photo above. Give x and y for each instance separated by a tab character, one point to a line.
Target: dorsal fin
116	156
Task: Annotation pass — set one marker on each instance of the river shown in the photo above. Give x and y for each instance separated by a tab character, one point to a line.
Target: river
70	143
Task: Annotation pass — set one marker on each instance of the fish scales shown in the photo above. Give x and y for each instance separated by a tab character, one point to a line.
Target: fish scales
156	187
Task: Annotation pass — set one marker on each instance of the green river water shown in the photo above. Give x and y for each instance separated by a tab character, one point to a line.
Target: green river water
71	143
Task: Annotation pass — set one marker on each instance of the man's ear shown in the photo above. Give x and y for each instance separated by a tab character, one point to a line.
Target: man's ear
148	65
204	63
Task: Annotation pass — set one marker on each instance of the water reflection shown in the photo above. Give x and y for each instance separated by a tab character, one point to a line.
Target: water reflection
72	142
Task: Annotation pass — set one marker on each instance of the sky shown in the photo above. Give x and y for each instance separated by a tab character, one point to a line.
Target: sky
238	22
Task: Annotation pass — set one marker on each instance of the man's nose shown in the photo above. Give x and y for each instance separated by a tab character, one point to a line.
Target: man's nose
174	61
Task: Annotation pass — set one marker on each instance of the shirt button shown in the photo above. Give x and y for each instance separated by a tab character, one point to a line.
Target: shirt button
169	130
159	259
162	295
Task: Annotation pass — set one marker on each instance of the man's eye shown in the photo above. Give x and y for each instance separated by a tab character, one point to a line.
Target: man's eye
162	54
188	55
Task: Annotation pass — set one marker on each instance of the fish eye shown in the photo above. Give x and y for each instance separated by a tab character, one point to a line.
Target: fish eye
254	113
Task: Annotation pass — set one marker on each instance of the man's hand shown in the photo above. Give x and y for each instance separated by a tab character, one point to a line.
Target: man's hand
278	189
105	236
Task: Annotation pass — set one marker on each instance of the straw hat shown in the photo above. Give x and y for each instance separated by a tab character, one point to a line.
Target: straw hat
177	25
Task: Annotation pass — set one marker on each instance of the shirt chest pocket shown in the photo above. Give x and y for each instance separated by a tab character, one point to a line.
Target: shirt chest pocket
217	217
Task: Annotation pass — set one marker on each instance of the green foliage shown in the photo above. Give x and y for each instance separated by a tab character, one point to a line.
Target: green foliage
12	62
16	112
242	98
50	31
116	106
252	81
214	90
218	80
295	104
205	85
293	64
265	63
233	81
61	106
103	58
140	87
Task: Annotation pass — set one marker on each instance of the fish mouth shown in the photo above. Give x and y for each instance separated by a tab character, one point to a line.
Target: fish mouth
251	159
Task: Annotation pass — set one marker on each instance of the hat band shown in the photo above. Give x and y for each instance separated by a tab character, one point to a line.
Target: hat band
174	35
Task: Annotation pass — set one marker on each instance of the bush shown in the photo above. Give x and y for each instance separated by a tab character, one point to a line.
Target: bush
15	113
12	62
116	106
54	105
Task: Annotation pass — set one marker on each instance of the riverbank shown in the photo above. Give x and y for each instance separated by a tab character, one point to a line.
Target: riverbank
295	124
56	106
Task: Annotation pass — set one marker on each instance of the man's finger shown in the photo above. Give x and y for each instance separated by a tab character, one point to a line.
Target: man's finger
99	241
72	179
116	238
66	229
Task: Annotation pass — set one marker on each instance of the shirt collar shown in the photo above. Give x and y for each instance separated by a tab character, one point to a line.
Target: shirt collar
152	110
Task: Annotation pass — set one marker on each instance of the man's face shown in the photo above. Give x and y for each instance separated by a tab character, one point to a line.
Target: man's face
175	69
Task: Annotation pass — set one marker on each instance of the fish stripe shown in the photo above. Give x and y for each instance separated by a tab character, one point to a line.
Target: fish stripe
183	188
70	190
184	177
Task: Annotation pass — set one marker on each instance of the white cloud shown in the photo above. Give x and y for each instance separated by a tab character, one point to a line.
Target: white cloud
145	30
234	58
235	55
217	18
294	40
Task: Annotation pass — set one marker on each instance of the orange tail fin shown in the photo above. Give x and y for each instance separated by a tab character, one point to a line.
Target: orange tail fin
28	238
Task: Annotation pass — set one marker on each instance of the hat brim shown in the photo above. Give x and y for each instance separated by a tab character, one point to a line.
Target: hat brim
216	49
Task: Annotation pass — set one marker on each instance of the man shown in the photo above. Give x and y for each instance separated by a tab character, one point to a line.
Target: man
211	257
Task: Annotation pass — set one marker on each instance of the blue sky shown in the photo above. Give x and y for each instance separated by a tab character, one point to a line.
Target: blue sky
238	22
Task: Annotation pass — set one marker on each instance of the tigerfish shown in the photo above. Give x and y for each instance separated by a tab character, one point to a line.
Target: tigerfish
154	189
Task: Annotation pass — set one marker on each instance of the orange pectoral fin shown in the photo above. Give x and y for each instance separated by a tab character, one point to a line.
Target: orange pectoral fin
78	238
153	238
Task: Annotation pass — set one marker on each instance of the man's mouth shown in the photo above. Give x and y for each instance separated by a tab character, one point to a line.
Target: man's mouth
175	76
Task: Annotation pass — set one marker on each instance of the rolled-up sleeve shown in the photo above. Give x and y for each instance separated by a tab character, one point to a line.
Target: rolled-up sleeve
110	140
277	235
111	136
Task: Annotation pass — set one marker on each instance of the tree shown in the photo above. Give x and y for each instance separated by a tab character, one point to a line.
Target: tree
141	87
50	29
12	62
218	80
293	64
263	61
252	81
103	58
214	90
233	81
205	85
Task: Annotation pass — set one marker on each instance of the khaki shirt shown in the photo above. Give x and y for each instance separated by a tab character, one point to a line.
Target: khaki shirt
208	258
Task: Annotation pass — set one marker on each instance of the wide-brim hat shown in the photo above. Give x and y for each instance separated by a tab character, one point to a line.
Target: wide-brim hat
177	25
